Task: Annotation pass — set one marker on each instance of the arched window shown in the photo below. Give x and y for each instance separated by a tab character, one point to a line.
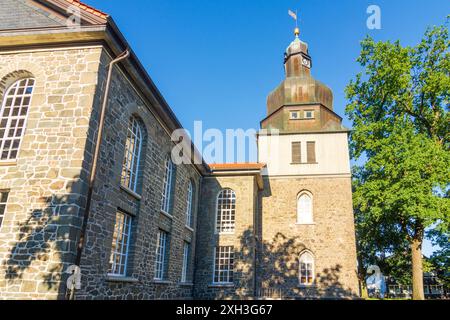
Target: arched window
132	159
189	204
306	269
167	186
305	208
226	211
13	114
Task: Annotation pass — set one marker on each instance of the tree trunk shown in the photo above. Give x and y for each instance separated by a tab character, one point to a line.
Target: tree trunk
417	270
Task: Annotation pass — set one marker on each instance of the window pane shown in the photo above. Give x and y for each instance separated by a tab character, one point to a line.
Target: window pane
133	149
13	113
224	265
226	211
3	200
167	186
120	244
189	204
161	255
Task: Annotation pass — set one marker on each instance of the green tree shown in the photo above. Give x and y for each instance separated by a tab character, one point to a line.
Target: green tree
399	108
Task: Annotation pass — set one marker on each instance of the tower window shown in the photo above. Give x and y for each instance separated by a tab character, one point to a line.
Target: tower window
13	114
311	152
306	269
294	115
296	152
309	114
226	211
224	265
305	208
120	245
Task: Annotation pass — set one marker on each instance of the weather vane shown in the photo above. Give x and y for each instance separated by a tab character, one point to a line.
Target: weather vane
294	15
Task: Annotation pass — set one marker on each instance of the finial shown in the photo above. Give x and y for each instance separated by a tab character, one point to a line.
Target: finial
294	16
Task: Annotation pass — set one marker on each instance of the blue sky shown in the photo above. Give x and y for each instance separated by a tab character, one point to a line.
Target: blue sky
216	61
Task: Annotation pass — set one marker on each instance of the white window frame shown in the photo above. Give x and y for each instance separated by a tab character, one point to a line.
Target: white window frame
122	245
306	259
12	94
311	112
189	204
305	213
167	186
296	117
132	157
226	198
4	194
185	267
227	266
161	255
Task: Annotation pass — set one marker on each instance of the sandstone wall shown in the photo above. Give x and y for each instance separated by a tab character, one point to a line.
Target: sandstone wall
125	101
242	239
47	182
331	239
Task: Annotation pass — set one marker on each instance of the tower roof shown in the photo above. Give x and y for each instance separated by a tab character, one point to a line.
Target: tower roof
300	92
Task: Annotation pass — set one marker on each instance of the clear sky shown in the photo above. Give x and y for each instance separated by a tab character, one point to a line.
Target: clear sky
217	60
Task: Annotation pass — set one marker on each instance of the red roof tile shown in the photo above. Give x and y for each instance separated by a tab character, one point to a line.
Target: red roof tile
89	9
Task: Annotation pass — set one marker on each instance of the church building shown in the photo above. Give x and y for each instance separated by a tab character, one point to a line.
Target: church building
92	205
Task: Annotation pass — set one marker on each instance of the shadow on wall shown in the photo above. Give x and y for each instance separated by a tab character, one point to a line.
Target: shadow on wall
278	271
45	247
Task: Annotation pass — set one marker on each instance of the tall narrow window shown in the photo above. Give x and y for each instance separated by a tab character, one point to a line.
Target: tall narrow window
131	161
167	186
224	265
311	152
296	152
226	211
13	114
305	208
306	269
189	204
161	255
120	245
186	254
3	201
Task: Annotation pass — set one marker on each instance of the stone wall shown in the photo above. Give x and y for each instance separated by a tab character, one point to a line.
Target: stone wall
331	239
47	182
124	102
243	238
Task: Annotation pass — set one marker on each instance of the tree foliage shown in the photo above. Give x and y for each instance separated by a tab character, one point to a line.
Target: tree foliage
399	108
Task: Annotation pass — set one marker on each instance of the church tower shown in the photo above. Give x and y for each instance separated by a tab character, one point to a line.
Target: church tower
306	223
